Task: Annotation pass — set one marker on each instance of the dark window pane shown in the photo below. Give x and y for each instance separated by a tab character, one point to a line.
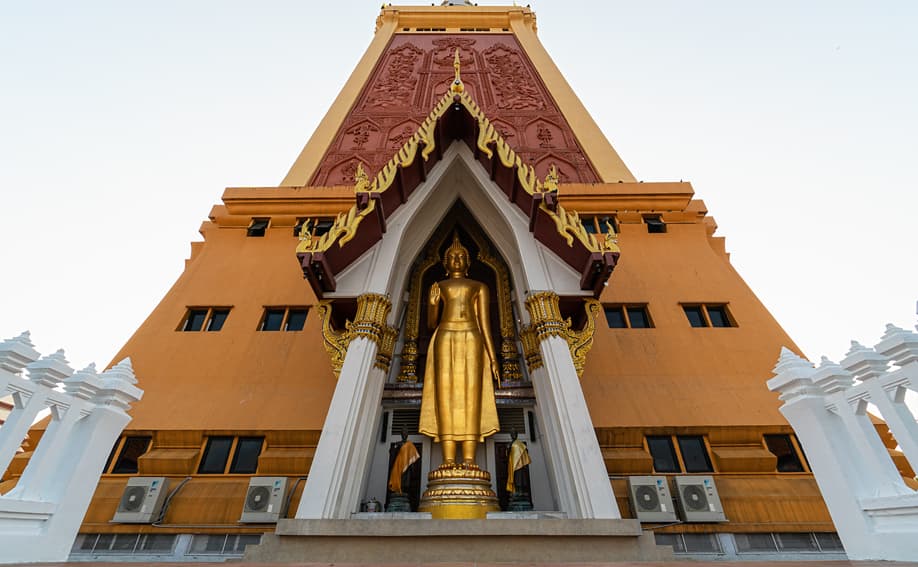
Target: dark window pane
258	227
88	541
604	223
781	447
615	317
299	226
273	319
195	320
217	318
663	453
157	543
695	317
125	542
323	226
694	454
296	319
701	543
655	225
133	448
105	542
111	456
589	225
754	542
829	541
216	453
674	540
245	461
718	316
796	541
638	318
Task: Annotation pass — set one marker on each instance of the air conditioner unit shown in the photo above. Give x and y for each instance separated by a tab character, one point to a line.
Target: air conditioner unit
264	499
142	500
698	499
650	499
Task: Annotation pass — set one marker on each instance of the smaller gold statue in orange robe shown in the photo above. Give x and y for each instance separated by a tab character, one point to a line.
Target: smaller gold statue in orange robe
517	458
407	456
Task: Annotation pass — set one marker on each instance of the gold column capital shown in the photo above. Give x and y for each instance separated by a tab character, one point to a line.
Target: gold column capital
545	315
370	321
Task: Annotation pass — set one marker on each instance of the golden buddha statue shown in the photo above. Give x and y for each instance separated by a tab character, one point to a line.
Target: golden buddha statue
457	405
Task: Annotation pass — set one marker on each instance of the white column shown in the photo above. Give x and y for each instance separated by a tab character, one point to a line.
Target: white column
28	396
838	471
40	518
339	467
575	459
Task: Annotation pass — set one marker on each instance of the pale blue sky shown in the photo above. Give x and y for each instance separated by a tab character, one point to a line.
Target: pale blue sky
122	122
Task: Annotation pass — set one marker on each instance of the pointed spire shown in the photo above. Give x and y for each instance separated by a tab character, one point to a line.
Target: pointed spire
831	378
17	352
50	370
865	363
457	87
899	345
793	377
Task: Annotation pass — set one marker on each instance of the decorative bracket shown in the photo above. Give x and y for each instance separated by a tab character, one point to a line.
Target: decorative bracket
369	323
546	318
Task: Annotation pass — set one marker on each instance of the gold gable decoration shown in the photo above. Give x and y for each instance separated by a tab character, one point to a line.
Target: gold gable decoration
567	223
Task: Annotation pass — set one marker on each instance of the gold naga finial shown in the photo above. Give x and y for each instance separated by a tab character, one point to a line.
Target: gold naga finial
306	230
551	179
457	87
361	179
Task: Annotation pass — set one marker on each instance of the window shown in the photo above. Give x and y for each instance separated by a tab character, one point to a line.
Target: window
243	450
599	224
205	318
123	544
690	543
216	454
694	454
258	227
708	315
782	447
222	544
628	317
245	460
318	226
283	318
691	456
131	449
664	455
655	224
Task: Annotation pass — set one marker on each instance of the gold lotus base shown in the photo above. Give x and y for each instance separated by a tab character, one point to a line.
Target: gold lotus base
459	492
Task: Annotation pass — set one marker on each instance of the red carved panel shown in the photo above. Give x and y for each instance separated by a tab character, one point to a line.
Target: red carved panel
415	73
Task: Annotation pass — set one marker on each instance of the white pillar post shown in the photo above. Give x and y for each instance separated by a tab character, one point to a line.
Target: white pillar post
40	518
333	486
28	398
901	347
839	472
575	458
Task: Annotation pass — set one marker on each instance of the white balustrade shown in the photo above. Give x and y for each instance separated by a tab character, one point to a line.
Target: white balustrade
874	511
40	517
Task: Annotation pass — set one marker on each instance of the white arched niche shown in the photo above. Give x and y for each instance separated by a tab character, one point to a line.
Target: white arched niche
340	468
385	268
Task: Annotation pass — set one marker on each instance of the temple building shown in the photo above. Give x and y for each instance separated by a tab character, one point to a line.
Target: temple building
284	371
